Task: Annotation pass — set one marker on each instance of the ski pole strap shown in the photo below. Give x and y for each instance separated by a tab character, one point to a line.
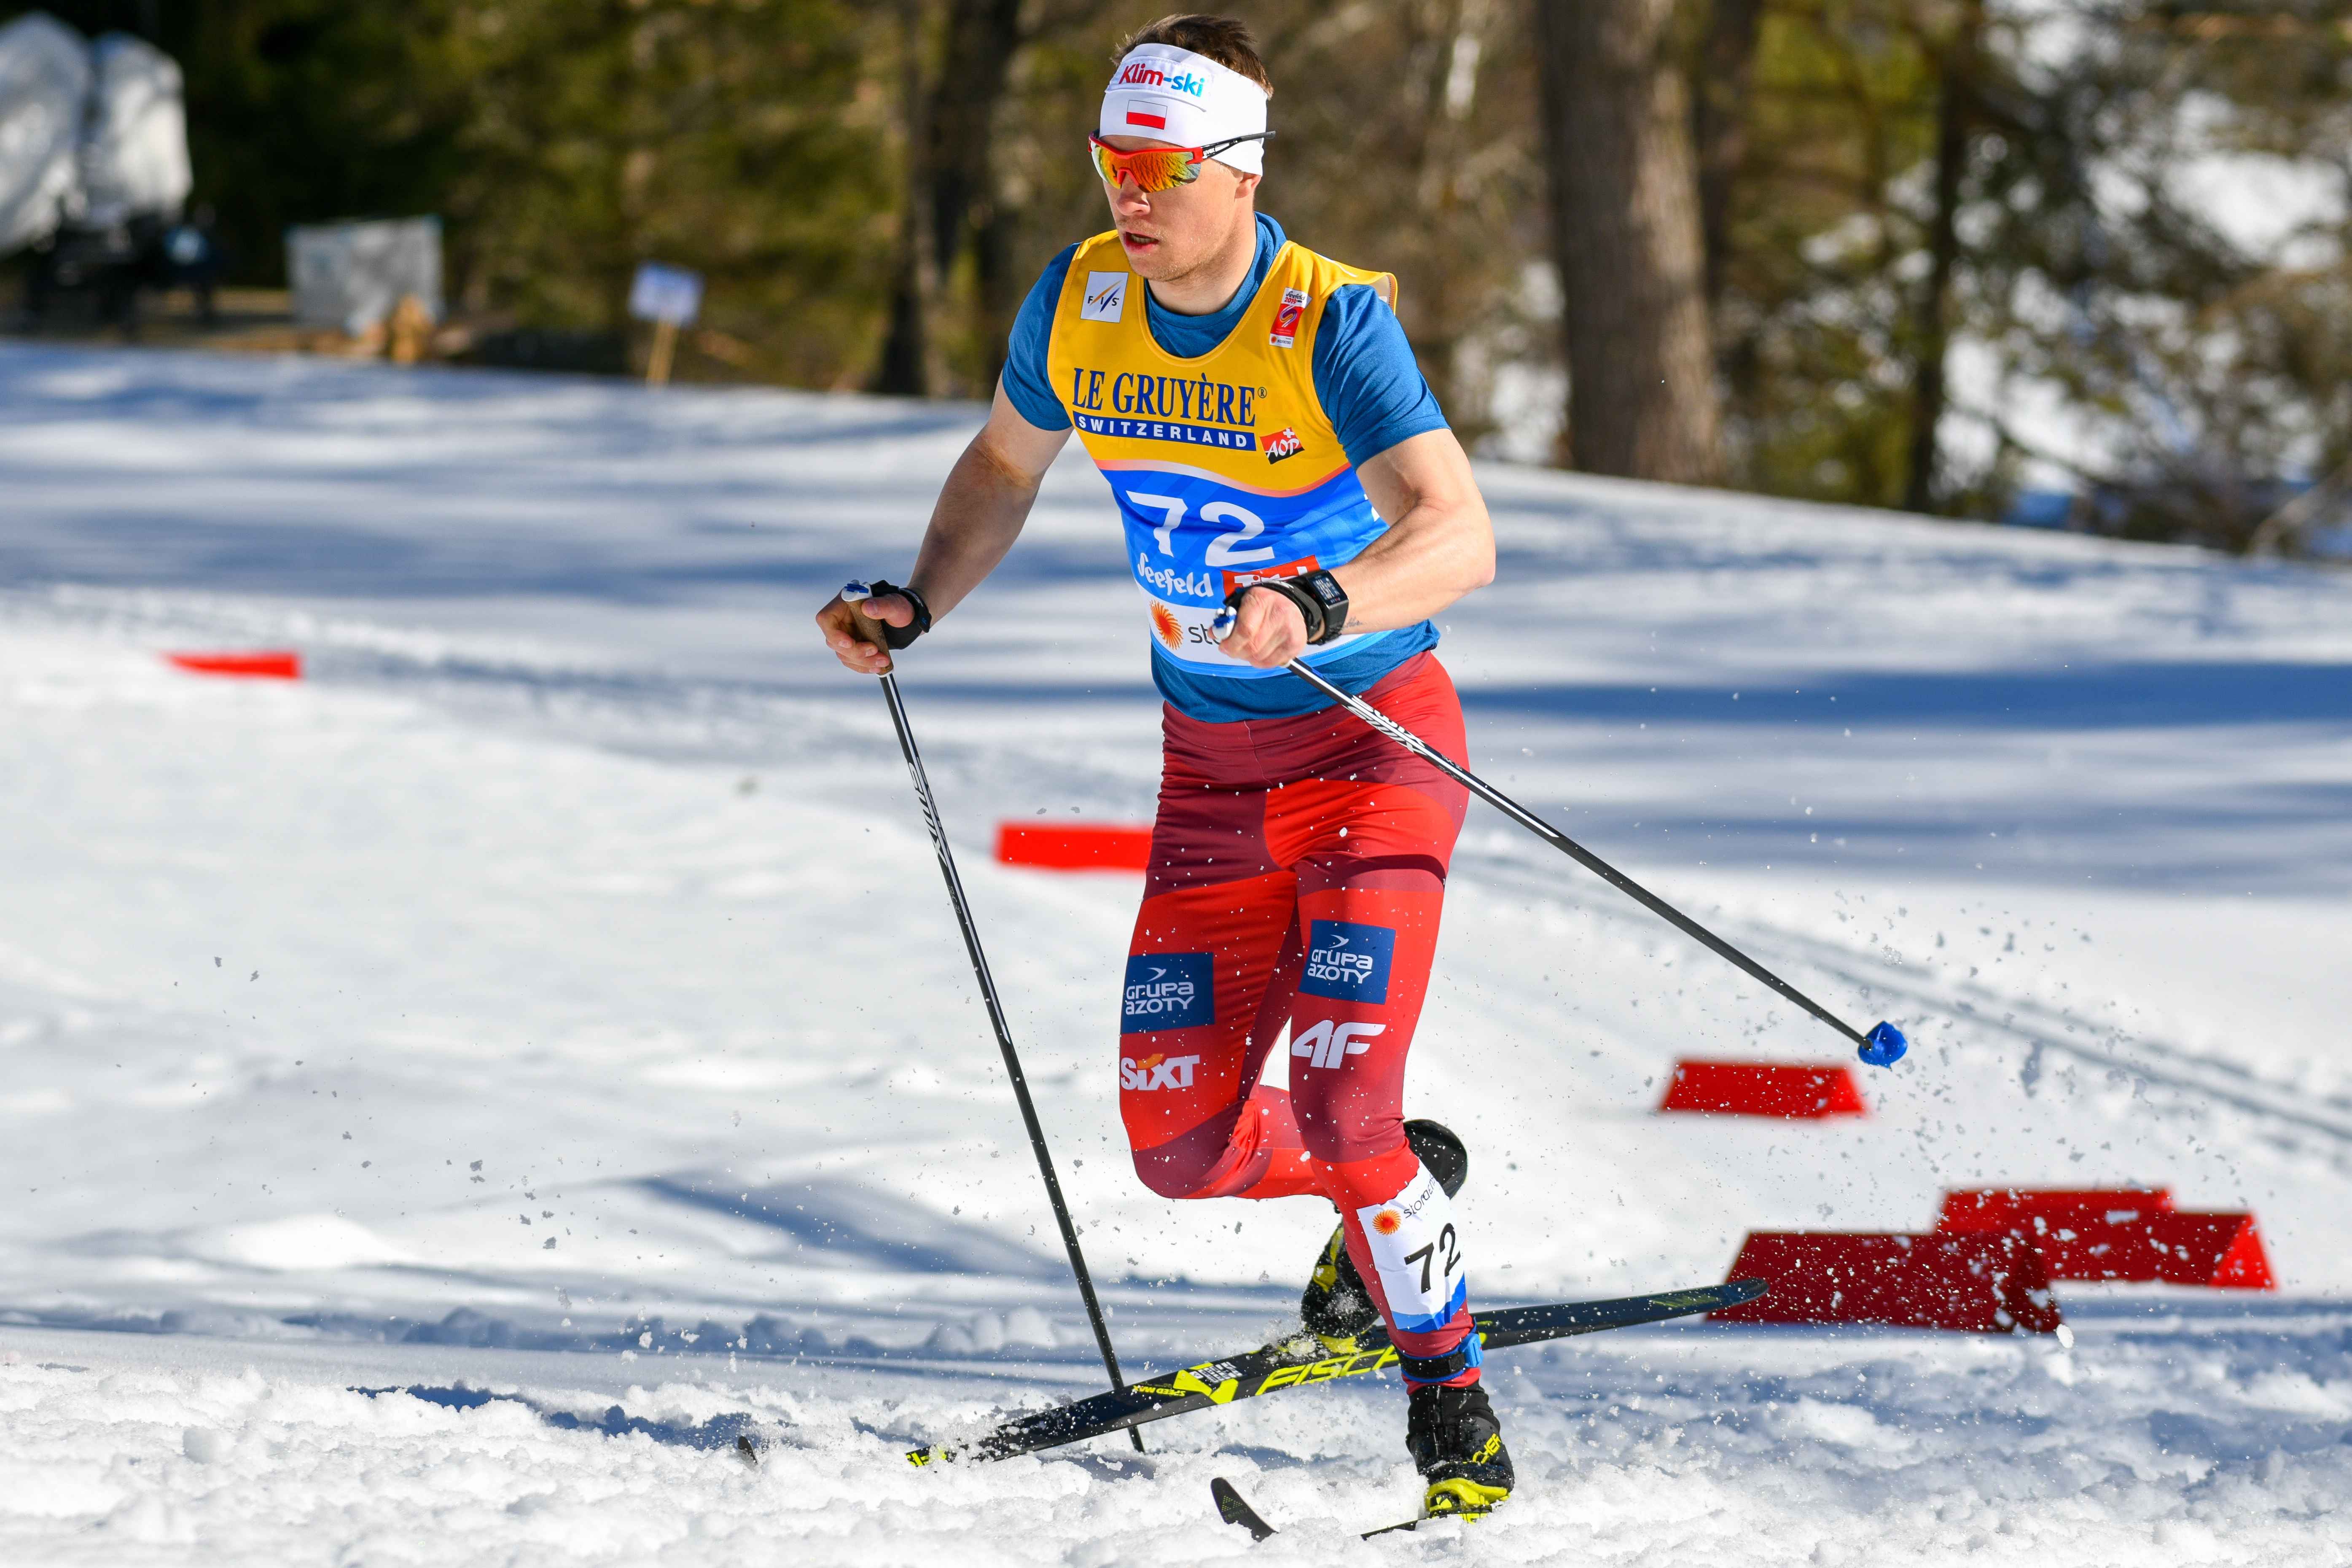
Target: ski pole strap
893	637
1321	602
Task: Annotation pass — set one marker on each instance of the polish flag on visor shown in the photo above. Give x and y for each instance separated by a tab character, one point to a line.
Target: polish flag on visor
1176	96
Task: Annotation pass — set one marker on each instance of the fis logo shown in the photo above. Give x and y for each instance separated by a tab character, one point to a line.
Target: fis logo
1328	1044
1287	317
1348	961
1283	443
1105	297
1157	1070
1143	73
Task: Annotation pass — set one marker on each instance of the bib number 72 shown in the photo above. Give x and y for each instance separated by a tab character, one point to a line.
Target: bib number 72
1443	1249
1222	550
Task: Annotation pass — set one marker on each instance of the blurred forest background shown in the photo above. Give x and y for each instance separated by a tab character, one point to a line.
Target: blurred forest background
2070	262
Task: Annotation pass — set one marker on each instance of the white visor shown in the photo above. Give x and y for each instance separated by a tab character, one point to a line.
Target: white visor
1176	96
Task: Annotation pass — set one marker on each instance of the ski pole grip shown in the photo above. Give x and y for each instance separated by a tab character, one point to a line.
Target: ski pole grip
865	628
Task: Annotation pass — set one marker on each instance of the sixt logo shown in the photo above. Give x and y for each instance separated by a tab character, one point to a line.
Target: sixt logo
1327	1044
1283	443
1156	1071
1143	73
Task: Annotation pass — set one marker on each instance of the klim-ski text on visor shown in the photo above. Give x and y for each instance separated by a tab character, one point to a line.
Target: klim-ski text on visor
1176	96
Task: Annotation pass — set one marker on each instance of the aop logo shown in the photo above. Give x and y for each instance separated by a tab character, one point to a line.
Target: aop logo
1328	1044
1283	443
1156	1071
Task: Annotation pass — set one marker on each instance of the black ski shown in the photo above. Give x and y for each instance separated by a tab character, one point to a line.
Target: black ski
1235	1510
1232	1507
1272	1369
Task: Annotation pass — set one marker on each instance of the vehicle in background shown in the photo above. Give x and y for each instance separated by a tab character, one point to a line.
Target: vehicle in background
94	171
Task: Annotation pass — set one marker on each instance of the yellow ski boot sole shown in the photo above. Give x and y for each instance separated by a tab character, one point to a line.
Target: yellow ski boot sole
1461	1499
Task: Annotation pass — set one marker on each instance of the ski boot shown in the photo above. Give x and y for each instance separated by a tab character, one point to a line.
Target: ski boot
1457	1445
1336	1307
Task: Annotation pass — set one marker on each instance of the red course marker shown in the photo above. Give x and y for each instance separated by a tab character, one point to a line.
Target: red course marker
1074	846
1763	1088
2123	1233
267	664
1980	1281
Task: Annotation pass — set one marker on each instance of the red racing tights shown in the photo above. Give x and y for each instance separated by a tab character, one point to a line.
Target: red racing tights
1297	872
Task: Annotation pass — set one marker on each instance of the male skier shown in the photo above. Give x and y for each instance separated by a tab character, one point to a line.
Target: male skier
1271	444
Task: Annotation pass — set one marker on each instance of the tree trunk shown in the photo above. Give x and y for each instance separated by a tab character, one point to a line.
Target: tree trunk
1626	233
909	363
981	38
1729	64
1955	73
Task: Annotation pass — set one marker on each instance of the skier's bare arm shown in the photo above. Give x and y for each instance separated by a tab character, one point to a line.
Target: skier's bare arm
1439	545
979	513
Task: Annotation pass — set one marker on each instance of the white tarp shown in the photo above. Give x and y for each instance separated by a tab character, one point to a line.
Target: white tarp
134	152
44	80
349	275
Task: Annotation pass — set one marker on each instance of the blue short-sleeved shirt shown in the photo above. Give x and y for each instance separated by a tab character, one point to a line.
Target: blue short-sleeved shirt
1370	387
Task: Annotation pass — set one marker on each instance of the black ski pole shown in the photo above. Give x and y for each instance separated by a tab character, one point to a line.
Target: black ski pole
996	1014
1883	1046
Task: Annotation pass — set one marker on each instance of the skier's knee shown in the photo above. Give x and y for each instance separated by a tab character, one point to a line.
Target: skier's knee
1168	1172
1198	1164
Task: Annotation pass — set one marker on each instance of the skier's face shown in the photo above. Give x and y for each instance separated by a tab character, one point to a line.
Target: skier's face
1172	233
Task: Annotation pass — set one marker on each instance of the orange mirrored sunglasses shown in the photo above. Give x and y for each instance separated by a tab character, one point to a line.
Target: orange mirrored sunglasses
1157	169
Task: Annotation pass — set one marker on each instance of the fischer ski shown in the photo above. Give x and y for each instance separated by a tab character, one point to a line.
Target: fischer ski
1274	1368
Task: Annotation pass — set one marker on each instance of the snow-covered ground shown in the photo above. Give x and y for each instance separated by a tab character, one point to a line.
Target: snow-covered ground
553	997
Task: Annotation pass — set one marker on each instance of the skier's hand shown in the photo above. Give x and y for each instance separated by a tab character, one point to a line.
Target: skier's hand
1268	631
853	631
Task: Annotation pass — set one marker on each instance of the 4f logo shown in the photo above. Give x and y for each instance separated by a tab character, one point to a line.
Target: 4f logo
1156	1071
1327	1044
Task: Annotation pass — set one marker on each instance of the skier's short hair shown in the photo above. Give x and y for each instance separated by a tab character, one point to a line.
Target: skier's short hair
1224	39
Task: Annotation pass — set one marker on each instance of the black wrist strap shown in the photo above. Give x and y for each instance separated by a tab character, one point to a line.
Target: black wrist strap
1439	1368
896	637
1321	600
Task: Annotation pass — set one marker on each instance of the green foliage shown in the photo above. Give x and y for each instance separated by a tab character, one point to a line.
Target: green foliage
561	142
592	134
